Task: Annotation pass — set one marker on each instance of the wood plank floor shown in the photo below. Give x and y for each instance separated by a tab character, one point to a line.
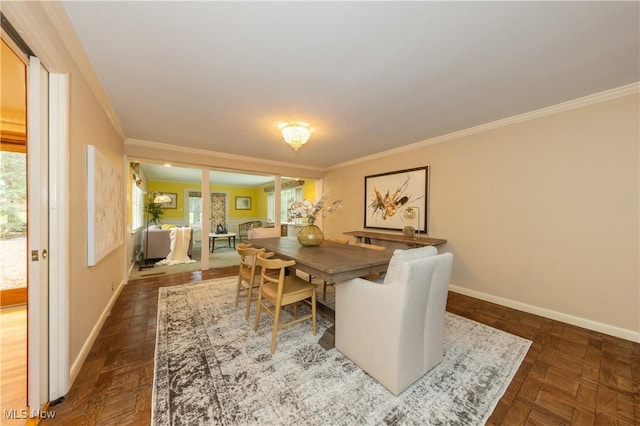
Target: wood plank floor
13	363
571	376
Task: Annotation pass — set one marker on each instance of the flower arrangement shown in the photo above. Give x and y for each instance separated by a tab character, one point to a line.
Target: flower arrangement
307	210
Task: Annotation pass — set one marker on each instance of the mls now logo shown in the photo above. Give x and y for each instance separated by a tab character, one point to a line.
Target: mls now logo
15	414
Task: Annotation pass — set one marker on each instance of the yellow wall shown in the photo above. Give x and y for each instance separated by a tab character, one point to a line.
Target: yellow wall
258	197
541	215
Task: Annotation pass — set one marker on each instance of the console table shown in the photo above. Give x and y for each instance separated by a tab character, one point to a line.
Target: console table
416	241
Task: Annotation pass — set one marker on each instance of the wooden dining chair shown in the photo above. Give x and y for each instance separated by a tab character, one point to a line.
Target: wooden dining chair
247	273
370	246
277	291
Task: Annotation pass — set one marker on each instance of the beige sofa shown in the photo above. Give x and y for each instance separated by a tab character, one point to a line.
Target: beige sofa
159	243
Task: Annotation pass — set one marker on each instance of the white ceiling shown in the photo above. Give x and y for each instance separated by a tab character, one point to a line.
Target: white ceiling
368	76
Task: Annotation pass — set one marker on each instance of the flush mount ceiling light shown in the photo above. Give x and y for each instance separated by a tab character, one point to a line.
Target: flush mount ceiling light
295	133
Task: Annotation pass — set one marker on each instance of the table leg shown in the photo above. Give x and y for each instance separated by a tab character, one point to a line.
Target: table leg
328	339
234	242
213	243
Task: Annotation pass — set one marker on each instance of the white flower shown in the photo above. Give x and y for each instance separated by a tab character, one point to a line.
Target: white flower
307	210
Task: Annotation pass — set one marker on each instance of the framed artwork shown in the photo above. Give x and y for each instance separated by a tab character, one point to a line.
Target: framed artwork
174	201
397	199
104	211
243	203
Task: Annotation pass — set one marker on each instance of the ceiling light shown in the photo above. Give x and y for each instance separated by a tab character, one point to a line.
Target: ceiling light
295	133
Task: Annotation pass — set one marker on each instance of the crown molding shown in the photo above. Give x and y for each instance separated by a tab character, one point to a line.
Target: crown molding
606	95
60	21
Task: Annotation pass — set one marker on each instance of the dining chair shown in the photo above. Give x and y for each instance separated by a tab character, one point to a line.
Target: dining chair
370	246
399	346
247	273
277	291
264	233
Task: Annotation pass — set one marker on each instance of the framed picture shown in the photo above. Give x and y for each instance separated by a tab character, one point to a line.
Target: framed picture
174	201
397	199
243	203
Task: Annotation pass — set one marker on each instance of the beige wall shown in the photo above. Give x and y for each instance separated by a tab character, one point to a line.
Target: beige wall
91	289
542	215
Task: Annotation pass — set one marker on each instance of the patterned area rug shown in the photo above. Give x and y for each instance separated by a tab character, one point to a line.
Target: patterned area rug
211	368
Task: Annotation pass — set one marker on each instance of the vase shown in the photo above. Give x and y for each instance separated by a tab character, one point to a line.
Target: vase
310	236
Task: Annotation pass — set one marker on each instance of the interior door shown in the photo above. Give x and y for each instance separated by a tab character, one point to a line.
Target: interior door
37	234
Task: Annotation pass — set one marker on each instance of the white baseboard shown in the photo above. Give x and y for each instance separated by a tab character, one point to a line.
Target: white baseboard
622	333
84	352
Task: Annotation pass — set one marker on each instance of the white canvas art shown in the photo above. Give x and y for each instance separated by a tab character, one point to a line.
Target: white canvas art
105	211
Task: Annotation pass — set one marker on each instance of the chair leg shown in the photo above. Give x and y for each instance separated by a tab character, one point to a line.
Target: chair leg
258	309
274	333
324	291
249	295
238	289
313	312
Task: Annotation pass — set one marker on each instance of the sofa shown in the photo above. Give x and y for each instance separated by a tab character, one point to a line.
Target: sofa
159	242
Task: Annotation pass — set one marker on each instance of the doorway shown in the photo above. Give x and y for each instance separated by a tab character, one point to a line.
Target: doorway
13	231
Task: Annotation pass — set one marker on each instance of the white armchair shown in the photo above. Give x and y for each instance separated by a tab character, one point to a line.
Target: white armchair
395	330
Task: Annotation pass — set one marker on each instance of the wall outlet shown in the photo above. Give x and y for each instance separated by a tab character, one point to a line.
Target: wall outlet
113	285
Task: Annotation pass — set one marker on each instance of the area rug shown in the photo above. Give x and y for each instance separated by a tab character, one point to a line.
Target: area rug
211	368
218	259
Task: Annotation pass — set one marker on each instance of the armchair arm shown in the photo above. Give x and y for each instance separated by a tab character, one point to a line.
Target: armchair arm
367	322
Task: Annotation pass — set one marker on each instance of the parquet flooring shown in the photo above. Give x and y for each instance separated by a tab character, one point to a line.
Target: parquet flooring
571	376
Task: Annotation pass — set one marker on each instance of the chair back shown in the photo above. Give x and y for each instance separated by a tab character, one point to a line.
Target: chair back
248	257
338	240
269	267
370	246
263	233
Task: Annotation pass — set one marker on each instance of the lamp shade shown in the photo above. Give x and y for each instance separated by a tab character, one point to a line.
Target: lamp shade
295	133
161	199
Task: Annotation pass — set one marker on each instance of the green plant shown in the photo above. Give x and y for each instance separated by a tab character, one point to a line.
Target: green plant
154	211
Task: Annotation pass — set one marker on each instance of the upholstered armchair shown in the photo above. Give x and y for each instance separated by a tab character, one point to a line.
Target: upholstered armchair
394	330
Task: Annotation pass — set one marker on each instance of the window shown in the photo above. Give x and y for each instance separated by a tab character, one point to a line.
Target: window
286	197
137	209
194	212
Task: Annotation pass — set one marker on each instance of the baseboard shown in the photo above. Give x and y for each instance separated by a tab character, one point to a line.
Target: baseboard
84	352
547	313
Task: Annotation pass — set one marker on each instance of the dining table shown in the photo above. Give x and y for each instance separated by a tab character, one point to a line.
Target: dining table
332	262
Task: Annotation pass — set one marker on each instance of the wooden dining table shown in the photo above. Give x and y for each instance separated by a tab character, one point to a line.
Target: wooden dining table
331	262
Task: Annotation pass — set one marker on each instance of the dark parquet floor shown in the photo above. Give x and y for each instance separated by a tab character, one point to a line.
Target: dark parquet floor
570	376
